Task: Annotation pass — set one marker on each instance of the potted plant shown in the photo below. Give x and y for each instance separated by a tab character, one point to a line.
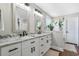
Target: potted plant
50	26
39	30
61	24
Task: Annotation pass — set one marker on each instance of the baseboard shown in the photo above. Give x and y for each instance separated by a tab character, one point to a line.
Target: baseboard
71	43
57	48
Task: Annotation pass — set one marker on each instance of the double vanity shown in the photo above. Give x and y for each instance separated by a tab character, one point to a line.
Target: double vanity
30	45
24	17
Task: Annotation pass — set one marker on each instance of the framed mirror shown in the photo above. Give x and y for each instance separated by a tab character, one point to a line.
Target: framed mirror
21	18
37	23
1	22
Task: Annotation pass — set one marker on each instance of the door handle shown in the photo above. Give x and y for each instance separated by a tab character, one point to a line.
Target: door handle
34	48
31	50
47	41
67	32
42	52
41	38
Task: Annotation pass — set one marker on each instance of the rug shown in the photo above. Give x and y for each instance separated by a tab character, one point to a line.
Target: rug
70	47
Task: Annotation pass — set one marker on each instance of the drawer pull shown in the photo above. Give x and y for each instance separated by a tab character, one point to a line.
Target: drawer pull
31	50
13	49
47	41
32	42
42	44
42	52
41	38
47	37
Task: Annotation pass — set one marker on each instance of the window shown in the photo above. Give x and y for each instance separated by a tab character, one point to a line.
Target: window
49	24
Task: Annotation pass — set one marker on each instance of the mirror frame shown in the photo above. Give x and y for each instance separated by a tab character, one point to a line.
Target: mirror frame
2	22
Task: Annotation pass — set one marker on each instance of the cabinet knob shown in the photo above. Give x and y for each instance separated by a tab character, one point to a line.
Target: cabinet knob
42	44
67	32
47	41
42	52
41	38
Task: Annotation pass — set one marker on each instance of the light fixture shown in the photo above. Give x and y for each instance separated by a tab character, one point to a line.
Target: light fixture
38	12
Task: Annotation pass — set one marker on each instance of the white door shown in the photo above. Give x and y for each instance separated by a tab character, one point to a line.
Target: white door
72	29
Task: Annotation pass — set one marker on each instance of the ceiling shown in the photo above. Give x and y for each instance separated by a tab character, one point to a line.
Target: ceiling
59	9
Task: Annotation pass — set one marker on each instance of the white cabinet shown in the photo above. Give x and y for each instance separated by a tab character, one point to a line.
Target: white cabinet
48	42
45	44
31	47
42	45
14	49
36	46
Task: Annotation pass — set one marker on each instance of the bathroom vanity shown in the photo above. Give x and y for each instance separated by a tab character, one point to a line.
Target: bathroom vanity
31	45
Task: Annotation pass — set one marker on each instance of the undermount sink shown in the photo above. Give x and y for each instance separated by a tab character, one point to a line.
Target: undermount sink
33	35
8	39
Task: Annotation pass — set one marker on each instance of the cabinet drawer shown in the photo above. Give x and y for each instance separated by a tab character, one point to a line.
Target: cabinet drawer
42	52
31	42
11	49
42	39
42	46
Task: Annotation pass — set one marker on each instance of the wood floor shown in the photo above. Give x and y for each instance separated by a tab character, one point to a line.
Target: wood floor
77	47
53	52
67	53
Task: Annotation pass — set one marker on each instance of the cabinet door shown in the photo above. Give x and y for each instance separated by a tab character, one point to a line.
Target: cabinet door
11	49
42	49
26	51
47	44
34	50
25	48
48	41
16	54
30	47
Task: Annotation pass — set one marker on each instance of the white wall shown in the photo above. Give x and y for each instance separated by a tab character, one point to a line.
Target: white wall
57	41
31	21
6	17
78	31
